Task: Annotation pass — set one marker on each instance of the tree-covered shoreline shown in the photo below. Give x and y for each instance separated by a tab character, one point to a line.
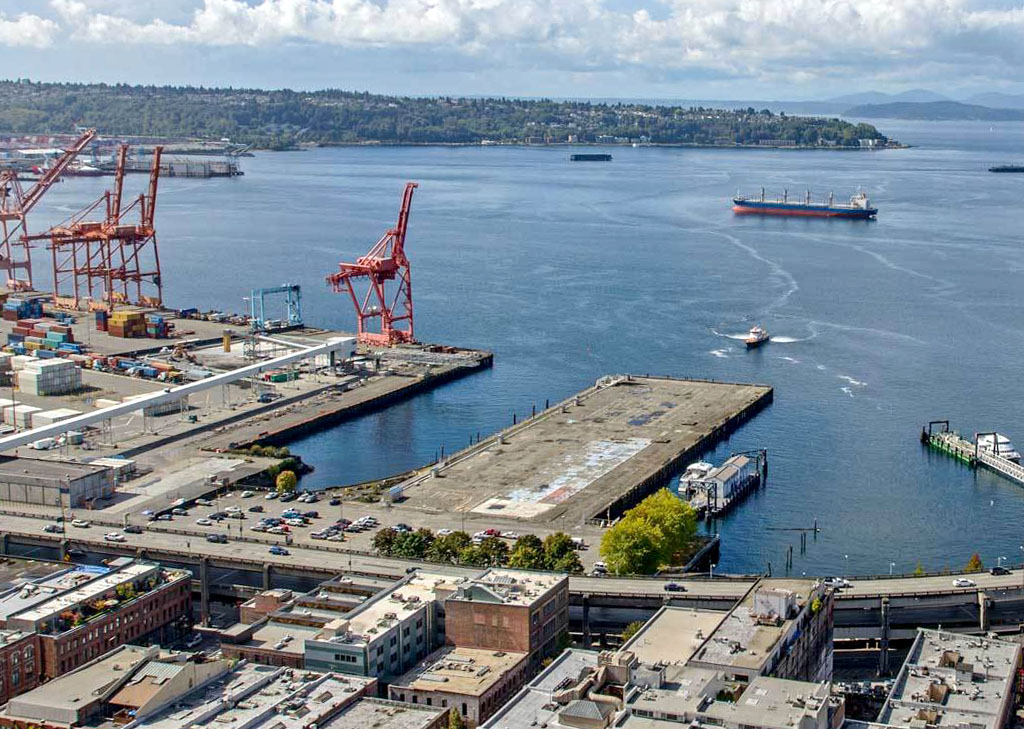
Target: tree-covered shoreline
283	119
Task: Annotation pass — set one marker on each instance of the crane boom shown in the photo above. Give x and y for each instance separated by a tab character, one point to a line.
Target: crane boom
36	192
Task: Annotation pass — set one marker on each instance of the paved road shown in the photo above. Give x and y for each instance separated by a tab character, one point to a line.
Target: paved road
156	536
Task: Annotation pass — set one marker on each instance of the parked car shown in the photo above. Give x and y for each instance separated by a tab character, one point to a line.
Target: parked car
133	529
1000	571
257	509
258	528
178	511
113	537
444	532
80	523
335	501
271	495
276	549
204	522
311	514
233	509
193	640
318	535
674	587
964	582
217	538
204	502
290	496
165	517
237	515
247	494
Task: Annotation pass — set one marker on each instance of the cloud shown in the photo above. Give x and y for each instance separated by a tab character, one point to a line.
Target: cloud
26	30
796	40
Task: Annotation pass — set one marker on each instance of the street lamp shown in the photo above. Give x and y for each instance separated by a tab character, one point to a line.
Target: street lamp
847	558
891	565
999	561
711	571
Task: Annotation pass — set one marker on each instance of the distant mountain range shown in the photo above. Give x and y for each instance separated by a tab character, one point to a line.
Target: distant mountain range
877	97
934	111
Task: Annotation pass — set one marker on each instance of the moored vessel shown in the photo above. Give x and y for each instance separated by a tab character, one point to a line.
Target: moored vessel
999	445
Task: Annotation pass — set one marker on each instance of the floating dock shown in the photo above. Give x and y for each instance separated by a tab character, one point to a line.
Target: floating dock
718	490
591	457
950	442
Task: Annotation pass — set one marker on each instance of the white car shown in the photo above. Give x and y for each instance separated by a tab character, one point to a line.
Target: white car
246	494
295	522
510	535
113	537
233	509
204	502
204	522
82	523
836	582
444	532
258	528
964	582
271	495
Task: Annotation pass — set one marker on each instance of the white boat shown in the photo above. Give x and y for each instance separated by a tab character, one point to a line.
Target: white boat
999	445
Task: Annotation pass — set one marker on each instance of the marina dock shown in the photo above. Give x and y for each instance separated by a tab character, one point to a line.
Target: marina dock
713	492
968	452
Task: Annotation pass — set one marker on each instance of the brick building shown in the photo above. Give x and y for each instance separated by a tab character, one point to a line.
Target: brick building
18	668
510	610
135	602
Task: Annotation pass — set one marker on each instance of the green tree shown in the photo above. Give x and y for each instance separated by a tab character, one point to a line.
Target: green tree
447	548
556	546
674	519
569	562
455	720
286	482
493	552
472	556
412	545
528	553
384	541
631	630
974	564
631	548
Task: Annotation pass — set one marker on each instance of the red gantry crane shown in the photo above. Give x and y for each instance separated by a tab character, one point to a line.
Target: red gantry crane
106	262
385	262
15	204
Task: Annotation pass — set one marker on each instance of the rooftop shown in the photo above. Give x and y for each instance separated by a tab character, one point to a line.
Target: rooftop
9	637
382	714
392	606
532	706
22	595
285	638
470	671
949	679
509	587
673	634
772	702
76	690
47	470
254	696
88	590
748	634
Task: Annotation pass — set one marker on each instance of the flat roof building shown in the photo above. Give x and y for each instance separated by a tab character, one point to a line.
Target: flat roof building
953	680
472	681
52	483
383	714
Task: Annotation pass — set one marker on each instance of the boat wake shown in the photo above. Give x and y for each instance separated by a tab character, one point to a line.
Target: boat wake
739	337
852	381
790	359
847	390
720	353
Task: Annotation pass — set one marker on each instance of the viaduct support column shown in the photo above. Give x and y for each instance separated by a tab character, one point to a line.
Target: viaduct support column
204	590
268	575
5	543
586	620
983	605
883	643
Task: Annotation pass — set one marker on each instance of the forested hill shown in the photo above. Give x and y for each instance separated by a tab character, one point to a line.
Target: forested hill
285	118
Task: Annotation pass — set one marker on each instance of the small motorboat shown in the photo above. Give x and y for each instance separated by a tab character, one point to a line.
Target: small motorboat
756	337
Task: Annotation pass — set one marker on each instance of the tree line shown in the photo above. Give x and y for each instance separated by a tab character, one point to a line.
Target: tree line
285	118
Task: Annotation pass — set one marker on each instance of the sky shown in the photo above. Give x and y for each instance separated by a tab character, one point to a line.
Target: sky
694	49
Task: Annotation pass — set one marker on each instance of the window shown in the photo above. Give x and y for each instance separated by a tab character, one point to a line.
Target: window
430	701
444	703
415	699
464	711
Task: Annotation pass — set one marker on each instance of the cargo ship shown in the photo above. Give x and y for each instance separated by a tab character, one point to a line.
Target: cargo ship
858	207
590	158
1007	168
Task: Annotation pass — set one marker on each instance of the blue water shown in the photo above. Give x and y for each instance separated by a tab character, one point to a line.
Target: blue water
570	271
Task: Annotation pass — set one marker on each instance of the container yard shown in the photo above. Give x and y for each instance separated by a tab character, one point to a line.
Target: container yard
592	456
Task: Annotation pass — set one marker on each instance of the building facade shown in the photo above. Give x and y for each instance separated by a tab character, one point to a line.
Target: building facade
19	670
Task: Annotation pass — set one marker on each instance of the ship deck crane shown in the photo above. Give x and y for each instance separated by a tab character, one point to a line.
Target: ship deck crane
384	318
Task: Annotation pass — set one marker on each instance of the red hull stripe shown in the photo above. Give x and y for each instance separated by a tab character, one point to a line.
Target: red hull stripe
795	212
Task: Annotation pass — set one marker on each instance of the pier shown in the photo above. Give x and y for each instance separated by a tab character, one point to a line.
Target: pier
937	435
591	457
724	487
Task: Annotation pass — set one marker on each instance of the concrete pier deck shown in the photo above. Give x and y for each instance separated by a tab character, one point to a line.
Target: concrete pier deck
591	456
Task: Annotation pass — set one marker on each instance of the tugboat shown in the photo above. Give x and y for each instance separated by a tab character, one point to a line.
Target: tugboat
756	337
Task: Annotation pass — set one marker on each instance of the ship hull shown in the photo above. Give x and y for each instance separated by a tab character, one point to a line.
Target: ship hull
753	207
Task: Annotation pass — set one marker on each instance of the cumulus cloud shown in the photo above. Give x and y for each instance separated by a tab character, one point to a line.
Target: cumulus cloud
795	39
27	30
